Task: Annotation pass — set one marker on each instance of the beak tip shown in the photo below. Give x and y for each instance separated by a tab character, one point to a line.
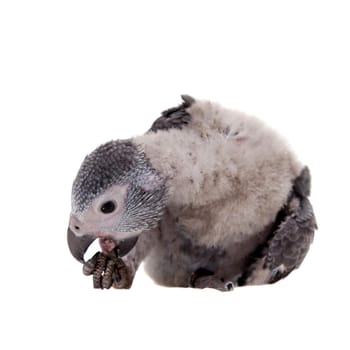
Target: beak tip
78	245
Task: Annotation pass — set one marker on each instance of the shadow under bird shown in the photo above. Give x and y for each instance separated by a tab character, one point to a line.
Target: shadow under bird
209	197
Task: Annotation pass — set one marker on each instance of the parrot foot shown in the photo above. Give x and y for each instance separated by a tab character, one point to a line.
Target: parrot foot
203	278
108	270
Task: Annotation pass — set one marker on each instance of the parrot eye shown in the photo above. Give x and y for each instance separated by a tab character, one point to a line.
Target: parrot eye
108	207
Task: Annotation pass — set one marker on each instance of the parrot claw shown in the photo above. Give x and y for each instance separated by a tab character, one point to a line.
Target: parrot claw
229	286
203	278
108	270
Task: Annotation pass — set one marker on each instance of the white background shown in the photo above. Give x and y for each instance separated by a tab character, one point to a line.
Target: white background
74	74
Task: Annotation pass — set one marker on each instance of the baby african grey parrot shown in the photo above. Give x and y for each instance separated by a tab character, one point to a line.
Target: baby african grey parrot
208	197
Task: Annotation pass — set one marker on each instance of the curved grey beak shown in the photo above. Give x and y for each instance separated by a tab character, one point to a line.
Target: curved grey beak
78	245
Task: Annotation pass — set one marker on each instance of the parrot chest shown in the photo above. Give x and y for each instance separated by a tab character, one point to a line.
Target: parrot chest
222	222
180	244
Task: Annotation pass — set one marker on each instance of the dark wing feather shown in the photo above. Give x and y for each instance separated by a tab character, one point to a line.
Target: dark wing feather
289	241
175	117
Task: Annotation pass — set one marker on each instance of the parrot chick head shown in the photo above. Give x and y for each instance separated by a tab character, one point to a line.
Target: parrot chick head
116	195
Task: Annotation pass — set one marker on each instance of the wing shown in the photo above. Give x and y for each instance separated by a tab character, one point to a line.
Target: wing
289	242
175	117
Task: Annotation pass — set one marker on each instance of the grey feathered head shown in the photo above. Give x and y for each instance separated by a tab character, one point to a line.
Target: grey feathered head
110	164
117	194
